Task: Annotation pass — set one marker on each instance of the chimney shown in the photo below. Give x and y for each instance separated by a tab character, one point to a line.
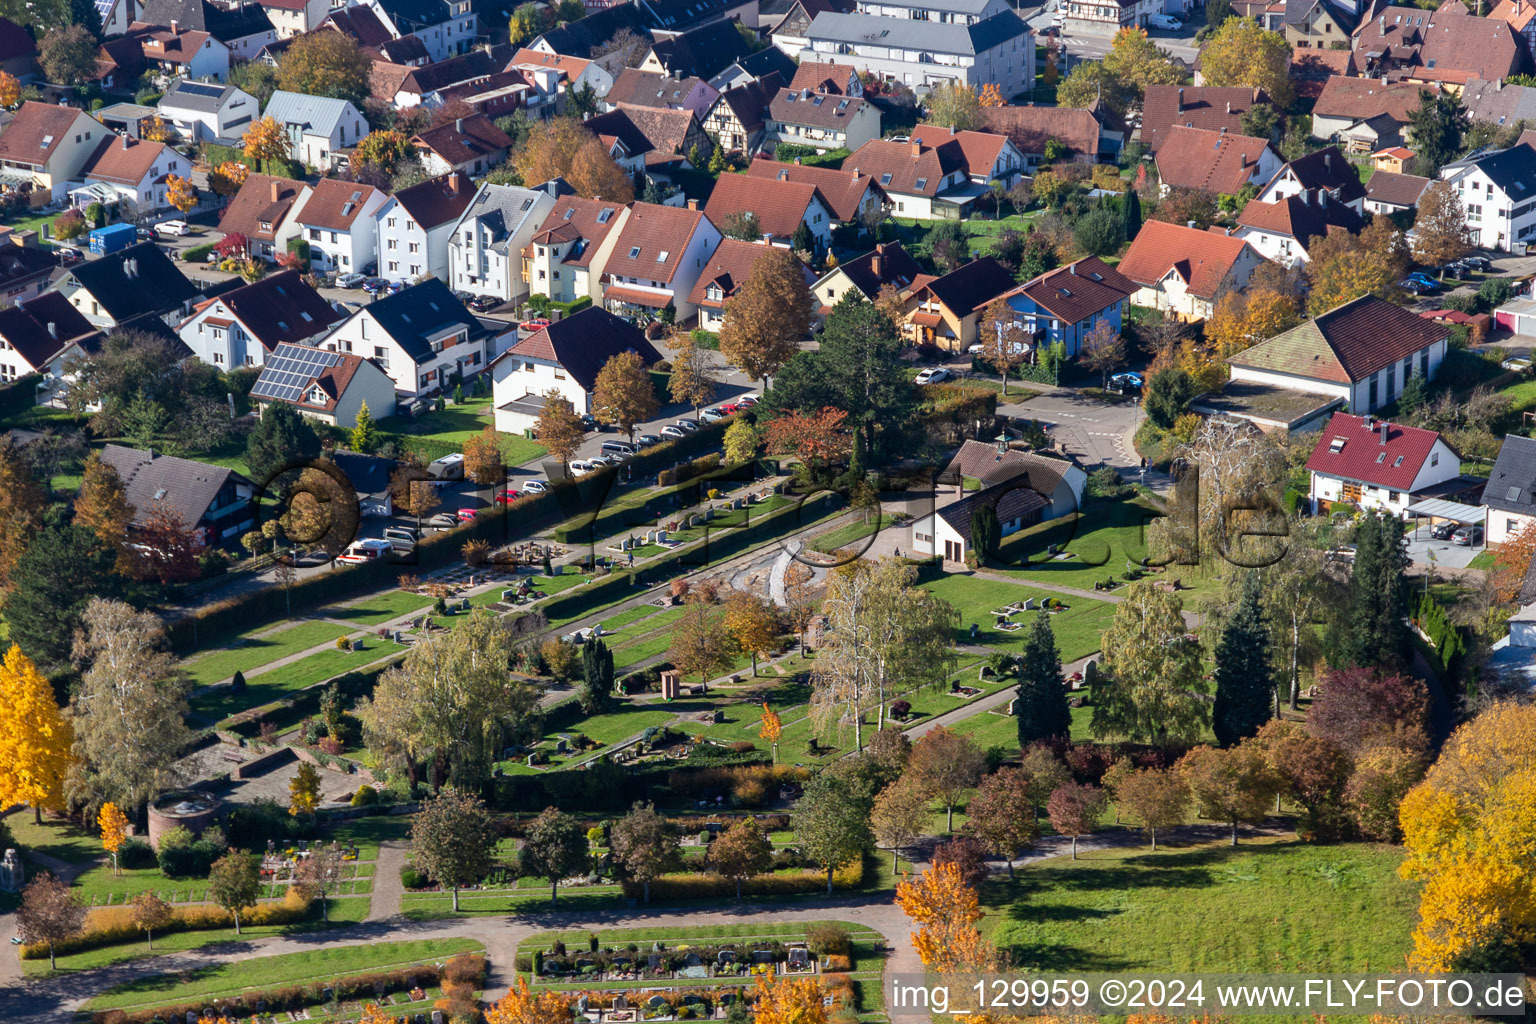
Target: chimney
953	130
1383	433
53	330
693	204
458	125
1072	269
874	264
175	29
125	141
277	191
1189	223
677	75
1322	197
455	182
1181	99
1229	106
917	149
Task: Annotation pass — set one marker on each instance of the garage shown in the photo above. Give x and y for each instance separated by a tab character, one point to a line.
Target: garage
1517	316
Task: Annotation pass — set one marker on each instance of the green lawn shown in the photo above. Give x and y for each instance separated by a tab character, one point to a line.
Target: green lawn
249	652
287	679
1078	629
457	424
1276	906
989	729
380	608
60	839
225	980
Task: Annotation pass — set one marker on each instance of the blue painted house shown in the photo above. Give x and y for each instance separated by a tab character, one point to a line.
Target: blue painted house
1067	303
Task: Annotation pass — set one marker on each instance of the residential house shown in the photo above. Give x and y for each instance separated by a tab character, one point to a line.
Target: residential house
243	28
1447	46
1183	270
132	169
1065	305
998	50
414	226
651	140
821	120
940	172
472	145
1311	68
849	196
565	357
1346	103
336	218
946	312
25	268
1498	192
615	37
1499	103
1215	161
1360	460
117	289
831	78
657	259
738	118
886	266
1321	24
422	337
788	22
485	246
1323	170
754	66
577	74
1209	108
18	51
1394	160
125	118
728	269
701	52
244	326
332	387
445	27
566	257
1021	488
1520	16
1510	494
362	24
638	88
181	52
44	147
203	112
42	335
780	207
426	85
260	211
214	502
295	17
535	90
1284	231
1394	193
1071	134
673	16
1362	352
317	126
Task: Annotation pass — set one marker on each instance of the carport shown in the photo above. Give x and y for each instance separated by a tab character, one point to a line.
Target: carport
1439	508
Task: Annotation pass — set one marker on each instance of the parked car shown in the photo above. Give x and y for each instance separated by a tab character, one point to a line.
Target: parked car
932	375
143	234
375	285
396	287
443	521
466	514
589	422
748	400
1166	22
1468	536
688	425
1120	383
1413	286
1443	531
674	432
646	440
483	303
368	550
1482	263
712	415
1424	279
506	497
538	323
350	281
581	467
402	538
174	228
68	254
534	486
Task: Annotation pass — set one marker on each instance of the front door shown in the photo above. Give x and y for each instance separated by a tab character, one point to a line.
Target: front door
1352	492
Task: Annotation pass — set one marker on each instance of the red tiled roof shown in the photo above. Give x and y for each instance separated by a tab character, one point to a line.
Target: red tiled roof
780	206
1209	107
729	267
1217	161
980	149
841	191
463	139
571	67
899	166
263	198
1029	128
1364	457
335	204
1360	99
656	232
1304	216
633	297
437	200
830	78
1202	259
1078	290
35	131
1346	344
574	217
123	160
1518	13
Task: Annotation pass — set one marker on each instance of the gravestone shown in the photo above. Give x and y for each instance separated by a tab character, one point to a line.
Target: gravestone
12	874
191	1017
692	960
1029	604
763	956
438	1017
1013	706
508	596
653	962
620	1003
671	684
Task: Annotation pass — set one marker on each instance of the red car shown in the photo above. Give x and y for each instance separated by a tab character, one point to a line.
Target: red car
466	514
506	497
538	323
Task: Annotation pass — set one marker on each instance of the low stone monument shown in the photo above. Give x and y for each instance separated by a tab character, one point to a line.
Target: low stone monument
12	874
671	684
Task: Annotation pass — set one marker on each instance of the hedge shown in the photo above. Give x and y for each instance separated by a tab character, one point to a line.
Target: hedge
19	395
198	253
363	987
700	885
111	926
613	519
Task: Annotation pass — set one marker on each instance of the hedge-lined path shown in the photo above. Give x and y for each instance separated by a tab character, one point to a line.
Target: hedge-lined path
10	966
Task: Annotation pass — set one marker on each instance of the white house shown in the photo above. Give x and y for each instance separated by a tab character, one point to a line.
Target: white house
184	52
1510	494
565	357
728	269
414	225
445	27
135	170
1285	230
1363	352
1021	487
1325	169
331	387
336	218
422	337
42	334
203	111
46	146
1183	270
295	17
485	247
244	326
566	257
317	126
1498	193
938	172
472	145
659	255
1376	464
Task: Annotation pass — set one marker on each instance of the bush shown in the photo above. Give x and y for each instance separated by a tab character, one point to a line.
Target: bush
197	253
366	796
411	878
839	962
698	886
136	854
826	938
111	926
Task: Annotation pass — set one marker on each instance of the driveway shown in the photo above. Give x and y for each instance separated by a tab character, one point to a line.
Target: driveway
1093	431
1422	550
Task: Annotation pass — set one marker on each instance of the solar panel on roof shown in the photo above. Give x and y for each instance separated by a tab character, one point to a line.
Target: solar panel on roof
200	89
289	370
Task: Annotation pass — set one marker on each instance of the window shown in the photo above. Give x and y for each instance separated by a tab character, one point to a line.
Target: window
559	373
392	244
333	236
1511	526
1394	496
314	234
634	252
1434	458
391	222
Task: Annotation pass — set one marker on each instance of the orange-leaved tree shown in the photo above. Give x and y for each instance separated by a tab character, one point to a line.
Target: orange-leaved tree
267	139
1512	562
520	1006
772	729
180	192
114	830
789	1000
946	910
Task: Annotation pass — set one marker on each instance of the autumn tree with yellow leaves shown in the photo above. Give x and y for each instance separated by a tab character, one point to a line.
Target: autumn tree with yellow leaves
566	149
154	130
180	192
789	1000
1345	266
1243	319
226	179
10	90
1466	830
520	1006
946	911
35	738
114	830
266	139
773	728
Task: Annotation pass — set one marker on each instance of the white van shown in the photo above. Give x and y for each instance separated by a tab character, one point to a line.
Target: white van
449	467
620	448
401	538
368	550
